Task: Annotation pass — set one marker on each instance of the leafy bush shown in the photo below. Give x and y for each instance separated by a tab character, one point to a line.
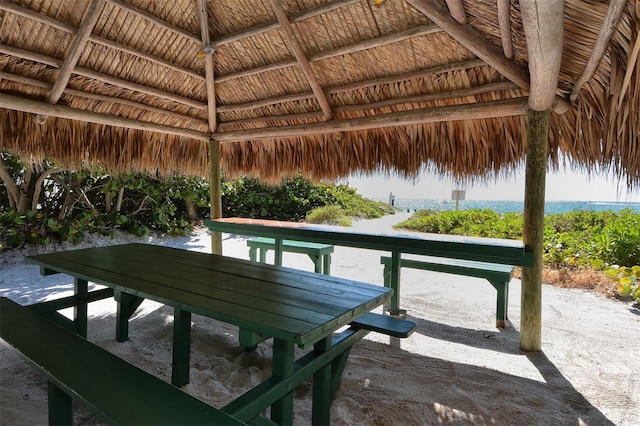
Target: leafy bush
628	280
331	215
619	241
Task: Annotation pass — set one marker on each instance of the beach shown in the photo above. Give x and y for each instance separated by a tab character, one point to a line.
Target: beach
457	368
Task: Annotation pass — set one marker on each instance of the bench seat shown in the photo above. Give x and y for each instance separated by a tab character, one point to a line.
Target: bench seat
320	254
116	391
394	327
498	275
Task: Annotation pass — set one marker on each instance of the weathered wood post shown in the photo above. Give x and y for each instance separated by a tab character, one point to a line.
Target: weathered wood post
543	23
215	198
535	175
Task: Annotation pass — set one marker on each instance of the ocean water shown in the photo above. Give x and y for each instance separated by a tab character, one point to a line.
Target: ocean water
551	207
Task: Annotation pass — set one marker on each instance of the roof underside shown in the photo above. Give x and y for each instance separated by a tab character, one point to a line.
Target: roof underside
333	88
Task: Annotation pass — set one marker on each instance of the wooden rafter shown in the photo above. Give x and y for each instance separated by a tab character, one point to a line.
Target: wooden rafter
85	72
353	86
352	48
457	10
37	107
504	21
292	41
44	19
102	98
297	17
471	91
616	7
505	108
157	21
92	14
473	40
543	23
207	51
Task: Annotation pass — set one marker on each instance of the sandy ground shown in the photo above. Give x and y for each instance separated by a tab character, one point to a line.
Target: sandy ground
456	368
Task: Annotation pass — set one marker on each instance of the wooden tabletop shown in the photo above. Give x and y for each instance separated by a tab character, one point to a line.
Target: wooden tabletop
297	306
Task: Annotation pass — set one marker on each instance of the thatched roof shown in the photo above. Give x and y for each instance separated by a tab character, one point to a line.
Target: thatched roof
324	87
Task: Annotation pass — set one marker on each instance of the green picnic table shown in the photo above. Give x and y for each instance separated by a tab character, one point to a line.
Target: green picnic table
294	307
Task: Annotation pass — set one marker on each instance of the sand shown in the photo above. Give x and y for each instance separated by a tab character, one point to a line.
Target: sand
457	368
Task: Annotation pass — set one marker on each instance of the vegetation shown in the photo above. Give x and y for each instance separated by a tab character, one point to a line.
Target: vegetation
580	240
40	203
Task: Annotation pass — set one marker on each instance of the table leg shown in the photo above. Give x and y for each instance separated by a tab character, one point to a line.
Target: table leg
283	361
181	347
127	305
322	387
81	288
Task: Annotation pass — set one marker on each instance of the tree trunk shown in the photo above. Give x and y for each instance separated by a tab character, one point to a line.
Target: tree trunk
119	201
192	210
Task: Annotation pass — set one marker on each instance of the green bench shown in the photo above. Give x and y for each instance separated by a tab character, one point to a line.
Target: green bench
320	254
116	391
498	275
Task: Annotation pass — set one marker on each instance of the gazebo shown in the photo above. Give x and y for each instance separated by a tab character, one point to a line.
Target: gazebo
469	89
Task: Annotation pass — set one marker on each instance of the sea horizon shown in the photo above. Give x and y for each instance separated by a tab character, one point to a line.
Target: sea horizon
507	206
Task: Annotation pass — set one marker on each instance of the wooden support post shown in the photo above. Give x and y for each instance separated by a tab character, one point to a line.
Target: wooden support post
531	300
215	193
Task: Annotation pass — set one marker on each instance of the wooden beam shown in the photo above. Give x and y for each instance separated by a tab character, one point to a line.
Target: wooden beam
37	57
504	20
208	50
44	19
505	108
430	97
102	98
353	86
543	23
297	17
215	193
474	41
471	91
154	19
457	10
356	47
60	111
616	8
301	57
533	232
91	16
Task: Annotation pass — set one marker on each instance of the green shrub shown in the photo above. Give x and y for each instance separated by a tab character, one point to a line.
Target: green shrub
619	241
331	215
628	280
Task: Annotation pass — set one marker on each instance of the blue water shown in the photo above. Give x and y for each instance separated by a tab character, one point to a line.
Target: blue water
551	207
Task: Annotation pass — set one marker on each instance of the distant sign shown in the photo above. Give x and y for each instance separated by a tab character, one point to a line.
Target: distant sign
457	194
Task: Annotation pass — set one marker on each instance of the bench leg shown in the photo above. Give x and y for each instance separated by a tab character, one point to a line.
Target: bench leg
250	339
81	288
317	263
283	366
337	367
252	254
181	347
127	305
263	255
322	387
60	406
326	264
502	302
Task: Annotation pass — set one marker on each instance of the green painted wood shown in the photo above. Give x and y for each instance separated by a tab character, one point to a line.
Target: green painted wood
489	271
250	404
395	327
81	289
320	410
498	275
60	406
283	369
126	395
70	301
181	347
320	254
510	252
296	305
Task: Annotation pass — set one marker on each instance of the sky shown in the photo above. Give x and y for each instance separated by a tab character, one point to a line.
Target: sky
560	186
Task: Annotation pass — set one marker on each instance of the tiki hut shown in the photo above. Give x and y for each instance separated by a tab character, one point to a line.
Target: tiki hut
469	89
